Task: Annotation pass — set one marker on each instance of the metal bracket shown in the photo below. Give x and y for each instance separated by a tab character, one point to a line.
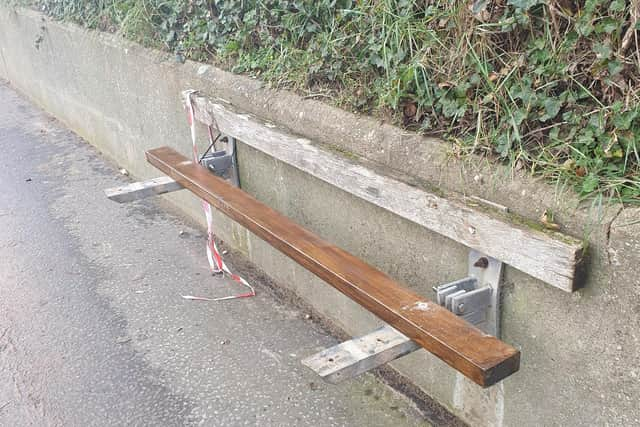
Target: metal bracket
224	163
475	298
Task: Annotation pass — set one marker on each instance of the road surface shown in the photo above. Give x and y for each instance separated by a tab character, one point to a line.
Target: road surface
92	327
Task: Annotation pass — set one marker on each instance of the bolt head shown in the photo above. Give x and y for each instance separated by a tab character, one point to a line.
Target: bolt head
482	263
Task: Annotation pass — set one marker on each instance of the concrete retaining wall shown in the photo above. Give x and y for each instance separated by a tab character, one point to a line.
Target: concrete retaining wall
580	352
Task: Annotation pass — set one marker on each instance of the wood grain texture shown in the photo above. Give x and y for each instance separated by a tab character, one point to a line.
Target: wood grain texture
140	190
481	357
354	357
544	254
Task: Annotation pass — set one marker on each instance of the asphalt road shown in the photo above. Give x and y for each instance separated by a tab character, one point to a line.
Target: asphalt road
92	327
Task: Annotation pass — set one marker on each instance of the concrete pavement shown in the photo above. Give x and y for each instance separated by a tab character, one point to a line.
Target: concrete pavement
92	327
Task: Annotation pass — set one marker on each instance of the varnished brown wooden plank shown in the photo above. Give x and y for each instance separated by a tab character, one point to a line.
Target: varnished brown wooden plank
548	255
482	358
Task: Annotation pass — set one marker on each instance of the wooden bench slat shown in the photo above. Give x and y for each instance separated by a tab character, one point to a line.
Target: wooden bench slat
481	357
545	254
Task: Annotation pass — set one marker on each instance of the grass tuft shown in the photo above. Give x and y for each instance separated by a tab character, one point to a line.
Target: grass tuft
548	86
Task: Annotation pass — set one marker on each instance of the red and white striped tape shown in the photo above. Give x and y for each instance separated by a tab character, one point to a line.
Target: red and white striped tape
216	263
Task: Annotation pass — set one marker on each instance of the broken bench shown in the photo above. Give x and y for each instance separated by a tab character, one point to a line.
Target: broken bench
461	327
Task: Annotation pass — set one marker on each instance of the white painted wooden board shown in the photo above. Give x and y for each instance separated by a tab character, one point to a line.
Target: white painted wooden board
545	254
140	190
354	357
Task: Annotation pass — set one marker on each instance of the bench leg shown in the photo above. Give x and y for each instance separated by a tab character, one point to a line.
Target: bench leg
356	356
475	298
141	190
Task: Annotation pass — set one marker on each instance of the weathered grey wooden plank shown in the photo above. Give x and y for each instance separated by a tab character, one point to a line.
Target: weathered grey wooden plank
140	190
545	254
354	357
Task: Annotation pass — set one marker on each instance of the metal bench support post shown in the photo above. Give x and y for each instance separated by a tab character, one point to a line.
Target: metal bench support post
476	298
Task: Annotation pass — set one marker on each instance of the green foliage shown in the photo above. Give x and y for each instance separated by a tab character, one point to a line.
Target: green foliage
550	86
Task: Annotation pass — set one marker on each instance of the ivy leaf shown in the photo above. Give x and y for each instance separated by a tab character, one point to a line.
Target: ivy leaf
523	4
603	50
519	116
478	6
607	25
451	108
614	67
623	121
376	60
551	109
586	137
590	183
617	6
408	75
503	144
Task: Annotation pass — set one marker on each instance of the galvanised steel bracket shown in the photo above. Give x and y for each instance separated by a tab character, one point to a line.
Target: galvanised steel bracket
224	162
476	298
